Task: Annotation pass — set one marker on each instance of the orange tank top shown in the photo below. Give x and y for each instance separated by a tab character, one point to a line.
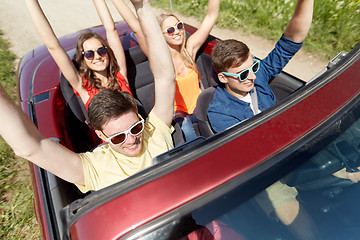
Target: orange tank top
93	91
187	91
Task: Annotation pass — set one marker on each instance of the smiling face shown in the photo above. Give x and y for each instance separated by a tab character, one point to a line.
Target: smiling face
233	85
177	37
133	144
98	63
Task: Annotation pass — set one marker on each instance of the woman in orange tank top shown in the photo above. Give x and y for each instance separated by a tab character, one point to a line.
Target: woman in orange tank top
183	53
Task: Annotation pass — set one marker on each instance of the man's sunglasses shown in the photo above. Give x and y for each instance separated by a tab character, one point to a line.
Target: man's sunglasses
120	138
90	54
171	30
243	75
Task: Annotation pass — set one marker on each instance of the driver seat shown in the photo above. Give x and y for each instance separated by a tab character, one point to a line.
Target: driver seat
202	106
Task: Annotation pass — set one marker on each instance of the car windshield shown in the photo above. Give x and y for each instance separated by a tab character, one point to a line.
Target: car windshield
314	201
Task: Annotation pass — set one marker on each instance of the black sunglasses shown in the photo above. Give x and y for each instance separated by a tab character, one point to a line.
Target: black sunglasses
90	54
171	30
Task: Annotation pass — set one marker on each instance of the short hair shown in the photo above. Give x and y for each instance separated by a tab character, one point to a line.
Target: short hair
109	104
228	54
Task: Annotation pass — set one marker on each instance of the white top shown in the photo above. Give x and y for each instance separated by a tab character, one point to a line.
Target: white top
247	99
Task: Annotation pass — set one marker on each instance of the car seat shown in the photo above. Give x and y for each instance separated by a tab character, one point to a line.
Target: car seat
284	84
202	106
140	77
206	70
81	135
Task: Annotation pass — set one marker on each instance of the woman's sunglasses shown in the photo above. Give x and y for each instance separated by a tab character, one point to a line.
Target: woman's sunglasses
90	54
171	30
243	75
120	138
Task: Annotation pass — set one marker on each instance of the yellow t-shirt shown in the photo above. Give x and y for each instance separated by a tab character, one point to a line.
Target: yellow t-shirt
187	91
104	166
275	196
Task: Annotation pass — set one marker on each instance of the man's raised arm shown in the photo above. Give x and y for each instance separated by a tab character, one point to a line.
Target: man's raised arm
160	61
26	141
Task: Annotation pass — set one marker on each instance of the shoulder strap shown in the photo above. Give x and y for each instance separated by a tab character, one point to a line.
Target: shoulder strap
254	101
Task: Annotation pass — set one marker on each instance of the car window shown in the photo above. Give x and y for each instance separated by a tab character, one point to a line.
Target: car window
328	204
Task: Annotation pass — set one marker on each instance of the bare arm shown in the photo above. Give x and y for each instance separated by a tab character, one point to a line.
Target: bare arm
199	37
111	34
300	22
26	141
50	40
160	61
130	18
342	173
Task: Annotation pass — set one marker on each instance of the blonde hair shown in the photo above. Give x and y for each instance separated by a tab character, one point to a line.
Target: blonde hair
189	62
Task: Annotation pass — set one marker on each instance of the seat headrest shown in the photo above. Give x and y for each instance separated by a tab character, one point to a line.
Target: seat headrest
203	102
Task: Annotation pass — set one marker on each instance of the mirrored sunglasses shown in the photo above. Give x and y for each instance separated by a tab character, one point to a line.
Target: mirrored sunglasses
90	54
121	137
243	75
171	30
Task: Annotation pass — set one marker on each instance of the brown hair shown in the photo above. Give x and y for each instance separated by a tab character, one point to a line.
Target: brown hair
85	71
228	54
108	104
189	62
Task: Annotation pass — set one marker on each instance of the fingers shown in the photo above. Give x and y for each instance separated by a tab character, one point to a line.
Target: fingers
354	177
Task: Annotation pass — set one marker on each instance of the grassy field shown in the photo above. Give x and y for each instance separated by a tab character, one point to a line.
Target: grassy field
16	209
335	27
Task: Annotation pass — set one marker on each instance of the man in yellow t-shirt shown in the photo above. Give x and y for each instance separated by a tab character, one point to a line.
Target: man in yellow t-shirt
114	119
126	152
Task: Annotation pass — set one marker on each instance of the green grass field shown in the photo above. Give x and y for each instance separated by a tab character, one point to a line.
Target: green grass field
16	209
335	27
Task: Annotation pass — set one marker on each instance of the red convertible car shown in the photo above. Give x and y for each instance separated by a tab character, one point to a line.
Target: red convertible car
206	188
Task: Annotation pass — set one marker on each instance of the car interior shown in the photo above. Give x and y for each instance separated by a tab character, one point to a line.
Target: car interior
83	138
